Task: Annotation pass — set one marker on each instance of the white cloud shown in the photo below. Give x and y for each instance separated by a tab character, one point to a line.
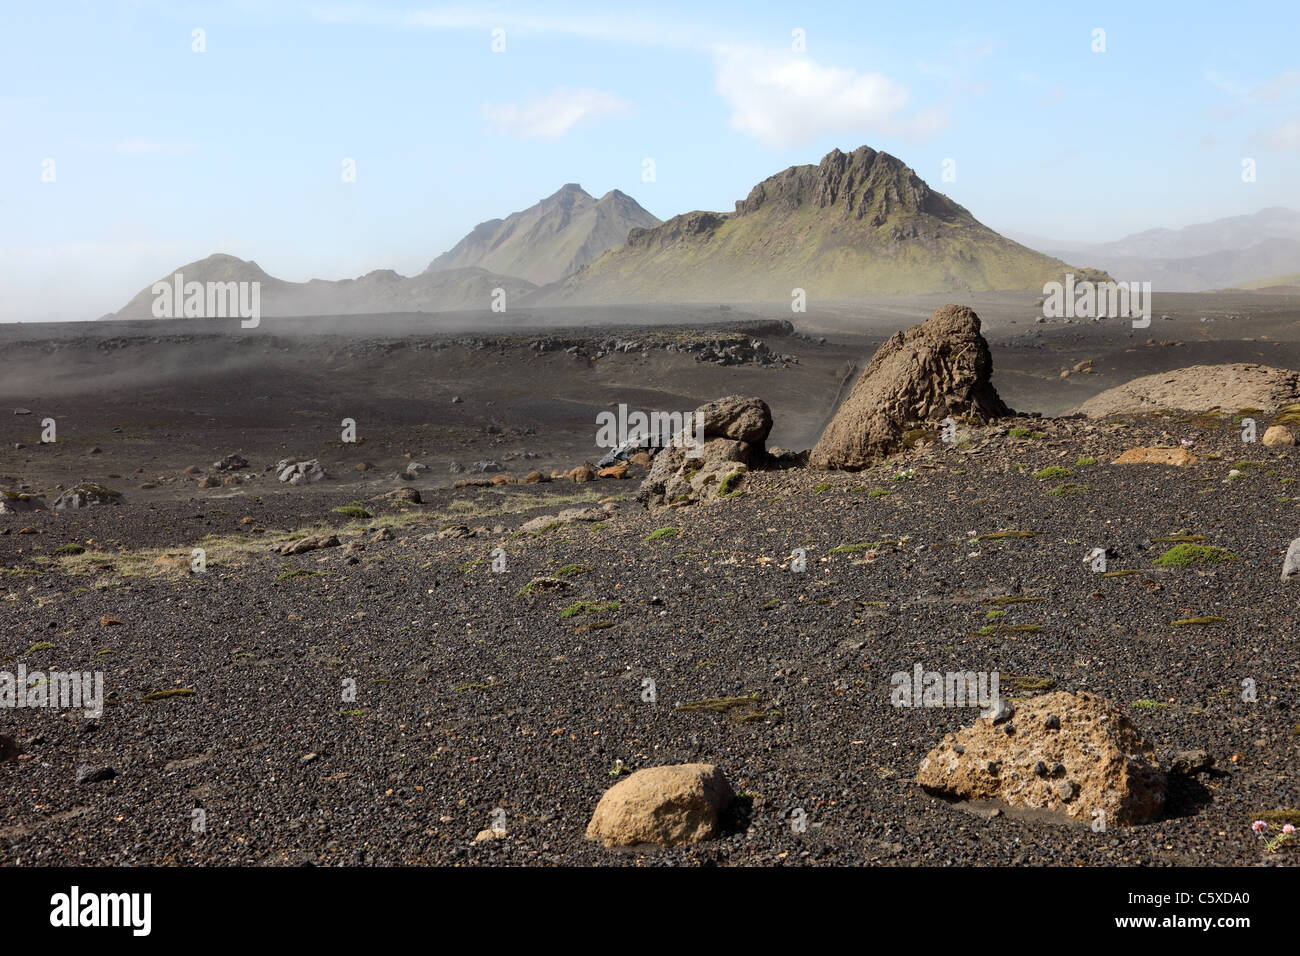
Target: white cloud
553	115
783	99
1286	136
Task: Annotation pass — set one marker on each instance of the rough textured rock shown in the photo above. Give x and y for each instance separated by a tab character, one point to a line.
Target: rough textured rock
1278	436
85	496
667	806
614	471
1178	457
1291	564
299	472
684	473
231	463
736	417
1200	388
1061	752
8	748
310	543
935	370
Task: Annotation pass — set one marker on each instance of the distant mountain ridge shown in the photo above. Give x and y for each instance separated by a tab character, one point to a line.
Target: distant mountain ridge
551	239
1233	251
380	291
856	224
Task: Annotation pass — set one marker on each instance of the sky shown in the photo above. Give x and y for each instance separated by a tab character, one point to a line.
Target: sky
325	140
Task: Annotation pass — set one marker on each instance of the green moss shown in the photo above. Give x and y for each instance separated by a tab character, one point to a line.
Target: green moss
1052	471
1149	704
166	694
1067	488
41	646
880	492
1083	461
1183	555
730	484
822	486
1019	433
589	607
661	533
569	570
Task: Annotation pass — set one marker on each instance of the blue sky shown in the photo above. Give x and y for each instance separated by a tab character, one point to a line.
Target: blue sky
162	155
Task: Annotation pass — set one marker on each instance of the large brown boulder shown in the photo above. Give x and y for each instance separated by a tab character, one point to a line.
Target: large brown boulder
936	370
667	806
683	473
736	417
1067	753
1200	388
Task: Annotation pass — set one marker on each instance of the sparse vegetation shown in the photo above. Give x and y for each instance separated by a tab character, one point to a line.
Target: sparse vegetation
1182	555
1052	471
660	533
589	607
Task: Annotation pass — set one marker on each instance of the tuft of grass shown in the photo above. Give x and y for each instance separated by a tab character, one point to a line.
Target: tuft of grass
1003	535
661	533
879	492
70	549
1052	471
1083	461
569	570
1019	432
41	646
1183	555
1150	704
822	486
589	607
353	510
1067	488
166	694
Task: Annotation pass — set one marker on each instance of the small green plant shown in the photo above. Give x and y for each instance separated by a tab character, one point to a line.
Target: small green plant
1019	432
1273	844
1066	489
589	607
906	475
569	570
70	549
1052	471
879	492
822	486
1183	555
1149	704
40	646
661	533
353	510
1084	461
730	485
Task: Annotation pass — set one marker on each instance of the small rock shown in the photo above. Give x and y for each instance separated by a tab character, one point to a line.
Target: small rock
87	773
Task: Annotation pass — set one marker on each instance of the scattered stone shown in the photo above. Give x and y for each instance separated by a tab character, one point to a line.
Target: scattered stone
936	370
1095	748
401	494
489	465
231	463
383	534
614	471
1178	457
310	543
667	806
1187	763
209	481
22	411
364	466
735	417
455	468
582	473
485	836
107	621
85	496
457	400
299	472
87	773
536	477
414	468
504	480
456	531
1291	564
1277	436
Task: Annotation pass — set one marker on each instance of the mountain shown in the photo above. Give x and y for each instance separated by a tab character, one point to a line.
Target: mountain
856	224
1226	252
551	240
380	291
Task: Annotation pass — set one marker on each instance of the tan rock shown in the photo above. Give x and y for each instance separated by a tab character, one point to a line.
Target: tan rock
535	477
1178	457
642	459
504	480
614	471
667	805
1200	388
1068	753
583	472
1278	436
